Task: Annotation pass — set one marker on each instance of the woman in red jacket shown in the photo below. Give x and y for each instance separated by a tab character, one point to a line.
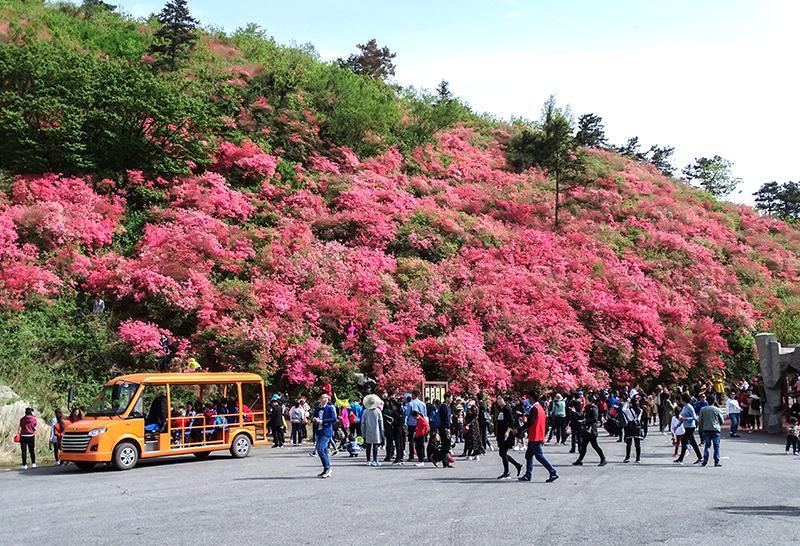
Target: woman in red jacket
27	438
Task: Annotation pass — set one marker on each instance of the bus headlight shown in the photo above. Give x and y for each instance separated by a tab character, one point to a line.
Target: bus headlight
97	431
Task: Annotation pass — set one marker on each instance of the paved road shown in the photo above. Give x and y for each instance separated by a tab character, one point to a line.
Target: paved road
273	497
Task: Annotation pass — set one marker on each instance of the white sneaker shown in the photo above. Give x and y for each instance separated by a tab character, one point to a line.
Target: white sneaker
420	464
58	463
33	465
378	463
23	467
477	457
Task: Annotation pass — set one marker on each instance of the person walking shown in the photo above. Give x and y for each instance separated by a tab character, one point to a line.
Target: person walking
324	418
574	415
505	437
27	438
710	422
588	432
634	428
688	418
734	414
372	432
793	437
536	424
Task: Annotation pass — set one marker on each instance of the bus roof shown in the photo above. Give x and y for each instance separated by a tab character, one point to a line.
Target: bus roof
192	378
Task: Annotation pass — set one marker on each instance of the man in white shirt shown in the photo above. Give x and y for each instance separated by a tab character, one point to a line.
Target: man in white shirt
734	413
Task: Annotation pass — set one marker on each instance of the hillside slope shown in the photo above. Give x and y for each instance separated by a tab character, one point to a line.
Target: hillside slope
312	229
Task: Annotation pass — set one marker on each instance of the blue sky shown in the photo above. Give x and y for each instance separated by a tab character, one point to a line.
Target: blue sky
706	76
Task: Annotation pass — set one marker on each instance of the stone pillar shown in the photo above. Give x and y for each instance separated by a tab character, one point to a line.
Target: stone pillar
769	356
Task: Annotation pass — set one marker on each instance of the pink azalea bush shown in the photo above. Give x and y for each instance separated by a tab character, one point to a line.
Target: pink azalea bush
443	265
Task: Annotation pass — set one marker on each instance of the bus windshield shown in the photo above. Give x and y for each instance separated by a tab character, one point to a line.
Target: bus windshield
113	400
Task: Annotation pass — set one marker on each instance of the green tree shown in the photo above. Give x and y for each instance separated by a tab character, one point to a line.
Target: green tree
550	146
632	149
768	198
659	157
372	60
443	93
176	37
591	131
71	111
781	200
713	175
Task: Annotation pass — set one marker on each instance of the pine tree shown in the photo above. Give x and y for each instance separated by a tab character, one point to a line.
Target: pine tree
172	42
373	60
551	146
713	175
591	131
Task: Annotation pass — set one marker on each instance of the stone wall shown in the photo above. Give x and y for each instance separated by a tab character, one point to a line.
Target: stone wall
775	362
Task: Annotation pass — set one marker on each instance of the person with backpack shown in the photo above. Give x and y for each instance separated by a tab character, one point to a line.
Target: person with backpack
27	438
755	412
634	428
588	422
688	418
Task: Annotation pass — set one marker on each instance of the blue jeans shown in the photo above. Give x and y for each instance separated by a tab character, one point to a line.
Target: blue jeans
322	450
734	417
711	437
535	450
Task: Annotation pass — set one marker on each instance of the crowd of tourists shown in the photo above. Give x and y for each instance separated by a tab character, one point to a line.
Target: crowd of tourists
404	428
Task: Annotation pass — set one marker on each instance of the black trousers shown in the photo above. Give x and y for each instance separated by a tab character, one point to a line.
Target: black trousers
504	446
411	429
575	439
585	441
444	436
389	439
372	452
686	439
419	444
628	442
28	443
399	445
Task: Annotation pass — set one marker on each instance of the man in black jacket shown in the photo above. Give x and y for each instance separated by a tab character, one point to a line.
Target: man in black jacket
445	419
587	424
506	423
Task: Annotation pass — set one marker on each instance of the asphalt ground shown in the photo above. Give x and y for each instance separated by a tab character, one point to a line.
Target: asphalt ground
274	497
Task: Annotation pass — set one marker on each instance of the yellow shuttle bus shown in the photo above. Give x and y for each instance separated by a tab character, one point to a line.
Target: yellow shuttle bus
145	415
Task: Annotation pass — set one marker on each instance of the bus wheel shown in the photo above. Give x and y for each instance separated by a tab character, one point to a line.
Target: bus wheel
202	454
240	446
83	465
125	456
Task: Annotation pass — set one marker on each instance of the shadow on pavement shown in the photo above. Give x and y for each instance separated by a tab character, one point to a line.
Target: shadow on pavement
779	510
276	478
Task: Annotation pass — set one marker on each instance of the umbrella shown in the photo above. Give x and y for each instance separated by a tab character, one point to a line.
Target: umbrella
372	401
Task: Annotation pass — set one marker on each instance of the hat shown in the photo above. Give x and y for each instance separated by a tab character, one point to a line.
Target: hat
276	396
580	393
558	397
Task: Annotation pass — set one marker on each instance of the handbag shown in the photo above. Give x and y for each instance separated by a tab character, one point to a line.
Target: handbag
16	438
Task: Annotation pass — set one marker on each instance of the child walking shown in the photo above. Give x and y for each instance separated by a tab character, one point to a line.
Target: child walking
793	437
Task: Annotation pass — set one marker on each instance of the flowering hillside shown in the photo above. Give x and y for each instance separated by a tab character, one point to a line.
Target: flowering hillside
269	243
